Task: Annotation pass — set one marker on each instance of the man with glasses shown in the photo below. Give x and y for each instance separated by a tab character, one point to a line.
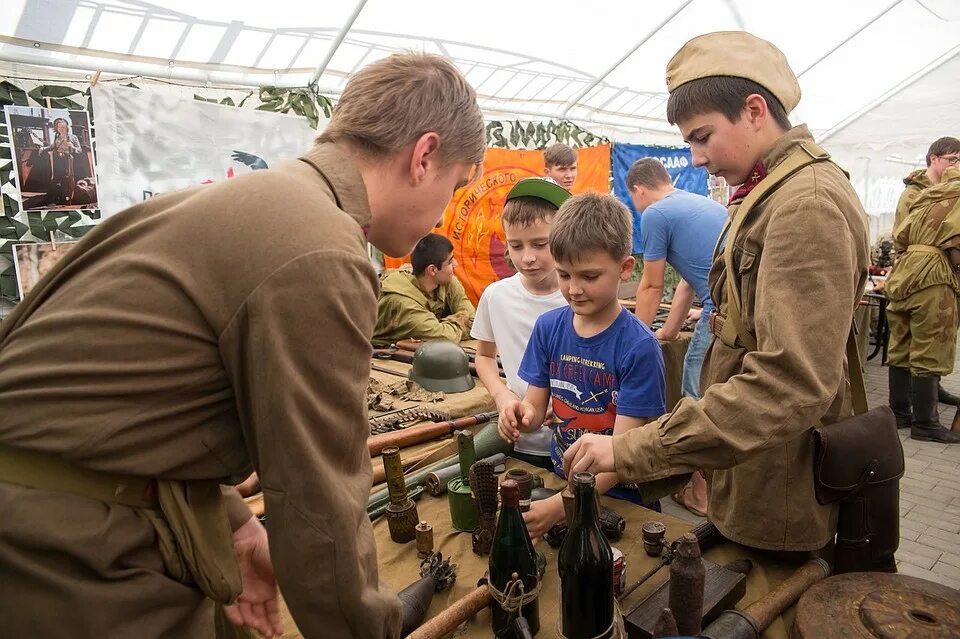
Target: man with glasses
942	154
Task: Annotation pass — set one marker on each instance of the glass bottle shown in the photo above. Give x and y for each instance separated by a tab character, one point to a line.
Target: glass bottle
513	556
585	565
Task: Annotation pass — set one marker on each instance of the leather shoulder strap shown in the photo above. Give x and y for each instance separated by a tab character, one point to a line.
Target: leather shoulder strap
807	153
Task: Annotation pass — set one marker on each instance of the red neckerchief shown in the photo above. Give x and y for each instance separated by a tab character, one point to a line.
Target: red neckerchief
756	176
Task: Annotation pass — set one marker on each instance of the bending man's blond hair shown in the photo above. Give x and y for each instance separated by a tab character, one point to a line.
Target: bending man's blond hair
392	102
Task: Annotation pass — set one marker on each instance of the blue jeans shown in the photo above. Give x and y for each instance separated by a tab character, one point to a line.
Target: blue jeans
696	350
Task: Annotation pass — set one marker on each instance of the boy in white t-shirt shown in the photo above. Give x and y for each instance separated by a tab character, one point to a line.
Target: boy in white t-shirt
509	308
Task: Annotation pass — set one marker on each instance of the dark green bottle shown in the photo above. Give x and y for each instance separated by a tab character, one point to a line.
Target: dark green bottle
585	564
513	554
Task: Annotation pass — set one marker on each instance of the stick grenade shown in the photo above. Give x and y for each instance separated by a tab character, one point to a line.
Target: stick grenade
463	509
402	514
757	617
459	611
424	433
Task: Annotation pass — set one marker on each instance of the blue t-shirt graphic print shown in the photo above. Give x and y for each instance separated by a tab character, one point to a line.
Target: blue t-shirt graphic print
620	371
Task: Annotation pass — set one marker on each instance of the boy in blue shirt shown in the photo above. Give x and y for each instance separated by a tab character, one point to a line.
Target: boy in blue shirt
596	364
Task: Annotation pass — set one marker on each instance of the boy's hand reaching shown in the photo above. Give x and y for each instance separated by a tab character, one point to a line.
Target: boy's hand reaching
515	417
543	514
590	454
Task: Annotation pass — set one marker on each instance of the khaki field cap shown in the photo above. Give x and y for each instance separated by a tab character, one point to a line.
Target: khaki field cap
737	54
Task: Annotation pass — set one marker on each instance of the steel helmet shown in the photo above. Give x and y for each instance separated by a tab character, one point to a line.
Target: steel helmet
441	366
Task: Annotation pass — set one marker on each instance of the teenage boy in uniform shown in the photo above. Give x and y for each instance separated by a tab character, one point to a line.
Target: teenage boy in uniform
680	229
594	362
141	373
730	94
560	165
427	303
508	308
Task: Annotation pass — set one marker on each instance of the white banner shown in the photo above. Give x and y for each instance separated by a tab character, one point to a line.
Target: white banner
150	143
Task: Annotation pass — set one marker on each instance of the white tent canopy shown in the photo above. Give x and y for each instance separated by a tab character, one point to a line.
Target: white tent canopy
879	78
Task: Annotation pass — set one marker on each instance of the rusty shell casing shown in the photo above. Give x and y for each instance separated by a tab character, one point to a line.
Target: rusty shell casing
653	534
467	454
524	481
402	521
424	533
686	586
956	421
393	468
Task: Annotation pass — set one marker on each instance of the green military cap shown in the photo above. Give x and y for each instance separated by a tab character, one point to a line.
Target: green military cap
736	54
544	188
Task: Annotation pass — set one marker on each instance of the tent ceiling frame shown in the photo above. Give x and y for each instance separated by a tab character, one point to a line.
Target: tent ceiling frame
850	37
897	88
603	76
337	41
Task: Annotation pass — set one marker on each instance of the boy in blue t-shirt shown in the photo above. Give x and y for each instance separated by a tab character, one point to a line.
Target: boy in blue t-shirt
598	366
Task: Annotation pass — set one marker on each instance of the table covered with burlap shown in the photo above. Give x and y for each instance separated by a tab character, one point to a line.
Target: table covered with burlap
399	563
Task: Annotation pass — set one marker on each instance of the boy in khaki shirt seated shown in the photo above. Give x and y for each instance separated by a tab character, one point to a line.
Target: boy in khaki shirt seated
427	303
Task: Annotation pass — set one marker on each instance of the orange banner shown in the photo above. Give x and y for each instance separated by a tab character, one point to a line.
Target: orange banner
472	219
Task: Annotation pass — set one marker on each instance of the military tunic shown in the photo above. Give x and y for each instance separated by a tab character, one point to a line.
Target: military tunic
404	311
801	261
196	336
916	182
922	288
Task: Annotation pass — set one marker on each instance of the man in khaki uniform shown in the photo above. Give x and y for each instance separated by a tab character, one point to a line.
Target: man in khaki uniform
426	301
923	289
153	353
942	154
800	263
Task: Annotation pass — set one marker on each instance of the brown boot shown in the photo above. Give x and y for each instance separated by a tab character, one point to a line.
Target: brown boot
926	421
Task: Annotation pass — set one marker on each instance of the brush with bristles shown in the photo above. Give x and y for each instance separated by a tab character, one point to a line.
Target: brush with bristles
483	483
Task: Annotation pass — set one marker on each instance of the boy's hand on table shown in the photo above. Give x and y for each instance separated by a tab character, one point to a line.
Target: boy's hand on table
543	514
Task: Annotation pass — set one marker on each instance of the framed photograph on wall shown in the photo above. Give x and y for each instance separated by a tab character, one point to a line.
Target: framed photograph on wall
52	158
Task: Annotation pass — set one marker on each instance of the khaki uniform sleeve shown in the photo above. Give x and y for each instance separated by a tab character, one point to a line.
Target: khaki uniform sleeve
806	283
459	301
399	317
907	198
298	354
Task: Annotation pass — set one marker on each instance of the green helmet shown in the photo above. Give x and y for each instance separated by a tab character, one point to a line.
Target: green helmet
441	366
